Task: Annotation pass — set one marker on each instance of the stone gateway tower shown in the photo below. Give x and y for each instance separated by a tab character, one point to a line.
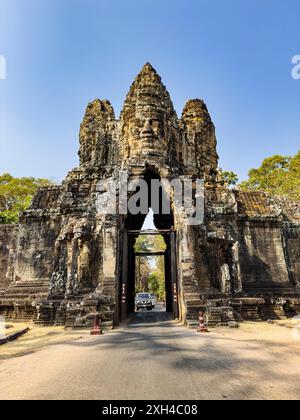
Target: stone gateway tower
65	261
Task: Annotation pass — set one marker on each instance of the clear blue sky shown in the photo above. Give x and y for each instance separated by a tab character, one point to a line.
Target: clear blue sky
61	54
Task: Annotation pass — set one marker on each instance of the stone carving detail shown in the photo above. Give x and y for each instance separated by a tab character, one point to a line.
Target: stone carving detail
97	132
199	139
148	120
72	258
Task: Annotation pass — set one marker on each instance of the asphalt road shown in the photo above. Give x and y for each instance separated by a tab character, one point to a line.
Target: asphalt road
154	358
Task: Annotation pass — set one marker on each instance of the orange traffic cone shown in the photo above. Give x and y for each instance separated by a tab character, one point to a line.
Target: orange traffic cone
202	328
97	328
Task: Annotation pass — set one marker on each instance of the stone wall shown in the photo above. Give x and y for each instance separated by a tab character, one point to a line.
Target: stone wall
261	254
291	235
34	255
8	236
199	140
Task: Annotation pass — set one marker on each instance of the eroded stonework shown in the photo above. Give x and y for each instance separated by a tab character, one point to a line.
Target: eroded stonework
64	262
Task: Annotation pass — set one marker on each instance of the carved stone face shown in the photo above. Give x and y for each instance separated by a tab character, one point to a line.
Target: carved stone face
145	133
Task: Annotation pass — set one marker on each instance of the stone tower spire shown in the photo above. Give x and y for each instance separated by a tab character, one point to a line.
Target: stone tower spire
147	117
149	132
148	89
199	140
96	135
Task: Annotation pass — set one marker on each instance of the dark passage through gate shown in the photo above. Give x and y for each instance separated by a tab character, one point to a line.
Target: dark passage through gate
128	276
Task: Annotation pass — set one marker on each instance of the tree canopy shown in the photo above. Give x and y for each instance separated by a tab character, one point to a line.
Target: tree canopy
229	177
150	271
16	195
278	175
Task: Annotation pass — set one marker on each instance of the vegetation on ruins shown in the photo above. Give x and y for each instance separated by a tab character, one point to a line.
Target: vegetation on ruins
16	195
229	177
278	175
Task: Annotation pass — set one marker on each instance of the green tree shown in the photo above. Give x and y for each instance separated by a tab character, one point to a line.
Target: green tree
229	177
143	271
16	195
8	217
150	271
143	244
150	243
154	284
278	175
159	274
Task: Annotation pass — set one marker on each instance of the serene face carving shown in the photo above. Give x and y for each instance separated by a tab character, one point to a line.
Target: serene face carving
145	133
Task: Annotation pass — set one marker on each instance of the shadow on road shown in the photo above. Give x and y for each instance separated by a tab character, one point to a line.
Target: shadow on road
144	318
147	317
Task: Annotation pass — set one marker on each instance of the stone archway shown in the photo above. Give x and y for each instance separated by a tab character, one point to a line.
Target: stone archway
127	279
164	224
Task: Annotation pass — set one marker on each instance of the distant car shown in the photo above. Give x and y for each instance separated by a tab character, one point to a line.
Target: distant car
143	301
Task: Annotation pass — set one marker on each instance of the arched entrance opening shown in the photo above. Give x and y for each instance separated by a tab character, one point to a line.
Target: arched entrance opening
133	231
150	273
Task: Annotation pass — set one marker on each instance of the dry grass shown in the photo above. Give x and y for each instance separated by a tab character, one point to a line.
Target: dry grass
285	332
37	338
